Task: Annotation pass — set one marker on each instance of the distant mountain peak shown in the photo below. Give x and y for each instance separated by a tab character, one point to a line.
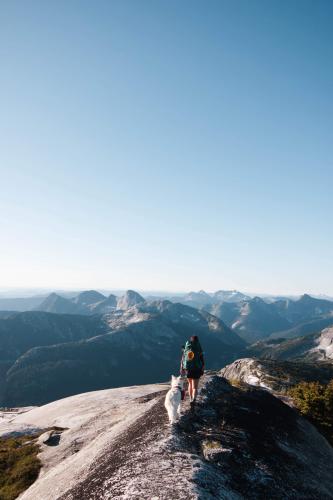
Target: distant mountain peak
306	297
257	300
129	299
88	297
53	296
200	292
57	304
230	296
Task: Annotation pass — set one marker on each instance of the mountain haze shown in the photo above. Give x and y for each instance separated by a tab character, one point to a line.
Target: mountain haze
54	303
314	347
256	319
141	344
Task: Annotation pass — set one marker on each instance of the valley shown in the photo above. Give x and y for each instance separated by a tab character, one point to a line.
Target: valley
90	341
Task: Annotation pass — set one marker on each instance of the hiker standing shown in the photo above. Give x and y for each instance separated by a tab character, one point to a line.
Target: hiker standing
193	365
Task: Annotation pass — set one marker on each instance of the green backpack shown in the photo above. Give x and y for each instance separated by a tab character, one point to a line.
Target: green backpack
191	356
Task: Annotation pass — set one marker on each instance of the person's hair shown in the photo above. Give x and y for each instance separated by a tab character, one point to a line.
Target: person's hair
194	338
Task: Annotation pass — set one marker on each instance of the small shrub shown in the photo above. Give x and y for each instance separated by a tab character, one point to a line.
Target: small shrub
19	465
235	382
212	444
315	401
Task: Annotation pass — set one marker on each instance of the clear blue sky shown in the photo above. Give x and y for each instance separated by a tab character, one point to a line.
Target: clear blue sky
167	144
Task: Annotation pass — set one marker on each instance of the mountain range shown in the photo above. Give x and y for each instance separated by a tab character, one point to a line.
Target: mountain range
45	356
92	341
313	347
197	299
89	302
251	318
110	438
256	319
202	298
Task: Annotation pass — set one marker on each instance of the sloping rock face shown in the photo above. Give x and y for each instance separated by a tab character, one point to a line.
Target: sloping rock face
83	427
324	344
235	443
251	445
246	370
276	375
145	462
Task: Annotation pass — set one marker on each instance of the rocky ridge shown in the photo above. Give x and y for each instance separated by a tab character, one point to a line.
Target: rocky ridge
235	443
276	375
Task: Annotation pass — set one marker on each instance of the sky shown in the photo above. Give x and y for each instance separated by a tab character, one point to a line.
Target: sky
167	145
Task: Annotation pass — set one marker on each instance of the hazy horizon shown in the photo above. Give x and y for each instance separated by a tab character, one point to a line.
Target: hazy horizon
17	292
171	145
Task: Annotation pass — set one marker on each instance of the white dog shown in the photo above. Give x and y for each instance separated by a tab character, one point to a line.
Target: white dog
173	398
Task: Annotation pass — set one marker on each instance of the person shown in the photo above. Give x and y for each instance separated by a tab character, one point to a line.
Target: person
193	365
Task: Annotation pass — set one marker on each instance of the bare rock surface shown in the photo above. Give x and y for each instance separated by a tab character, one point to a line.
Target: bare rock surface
277	376
75	431
141	463
324	344
233	443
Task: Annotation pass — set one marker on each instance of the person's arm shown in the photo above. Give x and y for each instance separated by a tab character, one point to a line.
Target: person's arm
182	371
202	361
